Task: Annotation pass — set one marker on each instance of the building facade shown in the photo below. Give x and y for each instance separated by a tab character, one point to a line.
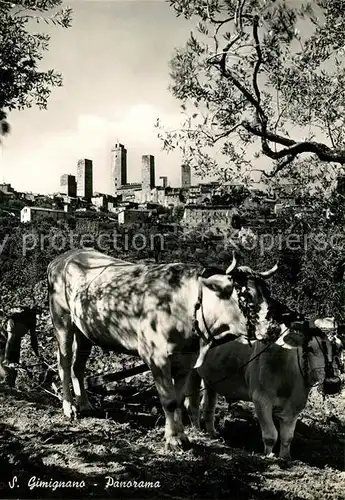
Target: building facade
68	185
29	214
212	217
174	197
118	168
186	177
130	192
158	195
164	180
135	216
7	192
100	201
27	196
147	175
6	188
84	179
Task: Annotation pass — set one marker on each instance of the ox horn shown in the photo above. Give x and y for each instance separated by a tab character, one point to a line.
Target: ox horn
232	265
270	272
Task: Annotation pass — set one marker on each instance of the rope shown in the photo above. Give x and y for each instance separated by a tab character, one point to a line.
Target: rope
244	364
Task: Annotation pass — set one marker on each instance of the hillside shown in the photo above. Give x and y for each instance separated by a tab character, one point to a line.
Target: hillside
123	440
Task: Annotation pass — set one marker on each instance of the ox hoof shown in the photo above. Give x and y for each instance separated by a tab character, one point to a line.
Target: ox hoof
69	410
177	443
269	455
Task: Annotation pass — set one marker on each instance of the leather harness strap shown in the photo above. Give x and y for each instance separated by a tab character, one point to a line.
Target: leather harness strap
209	338
198	305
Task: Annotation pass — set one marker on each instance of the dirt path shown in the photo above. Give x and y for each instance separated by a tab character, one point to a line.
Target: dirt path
99	453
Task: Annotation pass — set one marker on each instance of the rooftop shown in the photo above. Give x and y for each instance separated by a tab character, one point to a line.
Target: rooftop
43	209
135	185
209	207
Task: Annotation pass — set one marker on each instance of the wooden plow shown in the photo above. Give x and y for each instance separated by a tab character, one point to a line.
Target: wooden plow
98	383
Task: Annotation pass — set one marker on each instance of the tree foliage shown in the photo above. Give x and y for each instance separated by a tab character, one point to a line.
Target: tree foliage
22	82
260	77
234	195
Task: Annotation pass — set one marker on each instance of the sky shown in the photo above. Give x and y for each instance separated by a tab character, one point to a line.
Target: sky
115	66
114	62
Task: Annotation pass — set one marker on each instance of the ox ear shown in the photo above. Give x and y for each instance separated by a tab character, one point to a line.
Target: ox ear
221	284
293	339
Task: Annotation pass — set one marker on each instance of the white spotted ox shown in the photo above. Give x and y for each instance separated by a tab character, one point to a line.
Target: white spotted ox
168	314
276	377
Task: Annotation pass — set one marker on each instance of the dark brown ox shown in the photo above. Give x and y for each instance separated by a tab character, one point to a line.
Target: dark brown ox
14	325
276	377
168	314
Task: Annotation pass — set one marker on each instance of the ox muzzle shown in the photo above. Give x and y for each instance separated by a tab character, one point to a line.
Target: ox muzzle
332	383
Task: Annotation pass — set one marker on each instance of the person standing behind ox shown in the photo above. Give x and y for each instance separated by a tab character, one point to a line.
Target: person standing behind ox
14	326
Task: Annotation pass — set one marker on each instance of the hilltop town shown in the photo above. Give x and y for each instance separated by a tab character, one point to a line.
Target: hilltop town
211	204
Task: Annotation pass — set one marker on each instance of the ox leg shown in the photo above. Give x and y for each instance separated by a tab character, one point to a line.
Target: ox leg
208	405
3	369
82	348
171	403
192	398
287	427
64	334
170	390
181	378
269	432
12	354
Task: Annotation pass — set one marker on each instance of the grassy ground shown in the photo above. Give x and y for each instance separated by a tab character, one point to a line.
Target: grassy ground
123	442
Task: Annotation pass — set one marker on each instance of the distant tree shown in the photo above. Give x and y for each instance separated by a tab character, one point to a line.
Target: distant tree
238	194
17	204
234	195
22	82
58	203
45	202
247	77
177	213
